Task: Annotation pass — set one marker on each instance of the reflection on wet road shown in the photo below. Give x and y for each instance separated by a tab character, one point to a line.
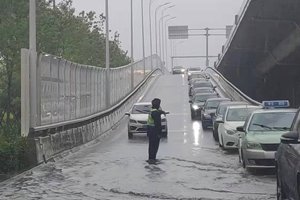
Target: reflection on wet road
191	164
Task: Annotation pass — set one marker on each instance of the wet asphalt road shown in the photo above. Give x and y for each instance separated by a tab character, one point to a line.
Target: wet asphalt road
191	164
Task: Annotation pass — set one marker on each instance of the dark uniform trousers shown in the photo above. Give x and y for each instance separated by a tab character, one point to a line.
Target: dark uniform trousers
154	139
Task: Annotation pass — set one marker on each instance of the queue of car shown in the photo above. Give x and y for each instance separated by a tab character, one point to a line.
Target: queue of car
266	136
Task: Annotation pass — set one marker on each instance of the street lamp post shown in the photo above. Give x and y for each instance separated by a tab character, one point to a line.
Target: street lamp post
156	36
150	20
107	81
160	33
132	53
166	38
33	112
143	36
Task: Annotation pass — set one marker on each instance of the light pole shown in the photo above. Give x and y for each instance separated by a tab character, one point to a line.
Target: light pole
143	36
162	32
160	38
132	53
32	26
166	38
150	20
131	32
156	36
107	81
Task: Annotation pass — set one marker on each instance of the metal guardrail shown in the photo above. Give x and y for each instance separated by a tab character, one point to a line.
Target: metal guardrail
230	88
89	119
58	93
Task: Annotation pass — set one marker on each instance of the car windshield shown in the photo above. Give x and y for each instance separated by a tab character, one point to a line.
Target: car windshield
239	114
212	104
202	84
178	67
202	90
203	98
141	109
194	69
272	121
197	76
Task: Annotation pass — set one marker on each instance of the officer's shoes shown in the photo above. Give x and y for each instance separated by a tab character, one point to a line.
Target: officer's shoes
151	161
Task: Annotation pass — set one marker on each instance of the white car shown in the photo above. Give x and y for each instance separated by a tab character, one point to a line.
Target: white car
138	117
234	117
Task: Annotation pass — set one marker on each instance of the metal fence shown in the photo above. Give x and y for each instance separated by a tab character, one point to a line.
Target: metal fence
68	91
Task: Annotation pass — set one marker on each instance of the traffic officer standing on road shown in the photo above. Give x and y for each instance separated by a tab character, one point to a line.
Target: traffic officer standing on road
154	129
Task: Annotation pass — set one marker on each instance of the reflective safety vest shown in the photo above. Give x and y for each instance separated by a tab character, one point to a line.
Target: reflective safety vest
150	121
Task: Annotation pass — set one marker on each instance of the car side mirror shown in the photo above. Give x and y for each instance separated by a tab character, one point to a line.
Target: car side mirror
166	113
240	129
190	101
290	138
127	114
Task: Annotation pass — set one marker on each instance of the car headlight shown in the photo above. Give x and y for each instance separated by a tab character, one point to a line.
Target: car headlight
132	121
195	107
230	132
252	145
182	70
189	73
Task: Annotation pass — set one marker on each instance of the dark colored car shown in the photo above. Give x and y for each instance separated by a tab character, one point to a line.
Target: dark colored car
193	75
178	70
199	84
193	70
209	110
192	81
221	109
288	163
202	90
198	102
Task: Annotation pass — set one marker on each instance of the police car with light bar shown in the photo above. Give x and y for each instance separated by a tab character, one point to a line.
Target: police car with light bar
260	135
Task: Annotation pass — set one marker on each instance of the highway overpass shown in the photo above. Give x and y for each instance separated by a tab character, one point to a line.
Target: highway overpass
262	55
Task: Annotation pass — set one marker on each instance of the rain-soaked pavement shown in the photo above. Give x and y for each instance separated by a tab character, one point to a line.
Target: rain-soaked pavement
191	164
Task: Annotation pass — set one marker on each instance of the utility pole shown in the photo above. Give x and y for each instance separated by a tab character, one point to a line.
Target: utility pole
132	58
150	20
143	37
107	61
207	35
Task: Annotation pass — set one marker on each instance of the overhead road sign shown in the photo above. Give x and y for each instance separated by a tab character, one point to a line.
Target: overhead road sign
178	32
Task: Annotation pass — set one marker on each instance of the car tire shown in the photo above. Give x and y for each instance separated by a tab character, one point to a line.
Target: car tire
204	126
242	160
130	135
221	145
279	193
215	135
192	115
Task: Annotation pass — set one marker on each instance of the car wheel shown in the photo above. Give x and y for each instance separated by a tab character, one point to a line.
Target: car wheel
130	135
204	126
280	193
221	145
215	134
193	115
242	160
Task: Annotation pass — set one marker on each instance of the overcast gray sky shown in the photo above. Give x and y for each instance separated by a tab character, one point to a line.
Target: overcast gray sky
194	13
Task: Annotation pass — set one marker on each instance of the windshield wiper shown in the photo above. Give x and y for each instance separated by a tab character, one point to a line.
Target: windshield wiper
282	128
263	126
